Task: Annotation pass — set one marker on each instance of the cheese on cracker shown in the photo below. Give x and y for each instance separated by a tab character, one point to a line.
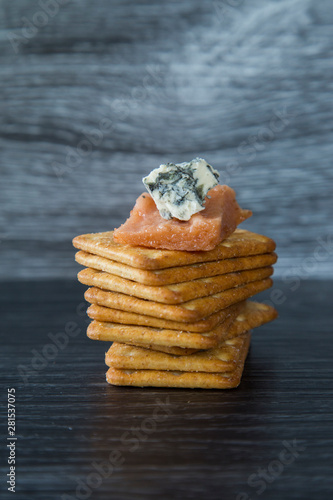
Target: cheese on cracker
180	189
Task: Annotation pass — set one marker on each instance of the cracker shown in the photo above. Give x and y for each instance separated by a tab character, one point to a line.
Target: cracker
193	380
178	351
133	335
252	315
241	243
190	311
108	315
172	294
220	359
175	274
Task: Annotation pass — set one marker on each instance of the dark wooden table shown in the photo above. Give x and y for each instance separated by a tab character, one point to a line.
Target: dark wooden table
271	438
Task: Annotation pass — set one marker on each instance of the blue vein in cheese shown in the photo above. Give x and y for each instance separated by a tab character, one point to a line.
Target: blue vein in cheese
179	189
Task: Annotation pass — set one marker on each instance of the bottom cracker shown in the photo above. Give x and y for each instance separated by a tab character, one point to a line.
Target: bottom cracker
190	380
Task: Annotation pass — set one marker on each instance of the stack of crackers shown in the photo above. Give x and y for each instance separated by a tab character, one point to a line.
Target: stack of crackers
176	319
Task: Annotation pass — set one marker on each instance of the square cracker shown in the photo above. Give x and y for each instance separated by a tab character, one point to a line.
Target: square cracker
241	243
109	315
252	315
134	335
177	351
192	380
220	359
190	311
178	274
172	294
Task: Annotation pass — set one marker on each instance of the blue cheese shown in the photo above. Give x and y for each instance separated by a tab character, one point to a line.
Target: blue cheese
179	189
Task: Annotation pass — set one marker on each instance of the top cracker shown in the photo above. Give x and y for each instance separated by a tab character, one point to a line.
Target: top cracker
240	243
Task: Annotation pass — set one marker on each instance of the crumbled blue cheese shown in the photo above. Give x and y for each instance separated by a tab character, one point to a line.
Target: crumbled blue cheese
179	189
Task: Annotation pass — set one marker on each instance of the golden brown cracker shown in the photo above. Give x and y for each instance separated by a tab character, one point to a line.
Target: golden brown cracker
172	294
191	311
252	315
194	380
177	351
220	359
241	243
147	336
175	274
140	335
108	315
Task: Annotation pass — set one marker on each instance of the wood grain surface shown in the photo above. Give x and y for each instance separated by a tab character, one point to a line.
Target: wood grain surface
211	444
94	95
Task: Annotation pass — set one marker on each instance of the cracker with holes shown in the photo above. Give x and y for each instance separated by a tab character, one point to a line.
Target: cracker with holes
194	377
241	243
191	311
177	274
173	294
220	359
249	316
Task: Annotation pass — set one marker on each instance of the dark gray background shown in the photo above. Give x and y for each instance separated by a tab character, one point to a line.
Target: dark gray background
246	85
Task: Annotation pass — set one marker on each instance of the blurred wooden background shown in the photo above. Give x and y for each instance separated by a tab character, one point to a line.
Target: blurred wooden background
96	94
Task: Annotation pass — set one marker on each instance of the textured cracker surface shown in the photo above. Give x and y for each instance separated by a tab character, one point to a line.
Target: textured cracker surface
172	294
177	351
251	315
223	358
164	378
174	274
192	310
240	243
107	314
168	338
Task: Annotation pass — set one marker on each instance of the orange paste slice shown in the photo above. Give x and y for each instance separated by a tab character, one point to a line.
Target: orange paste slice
205	229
